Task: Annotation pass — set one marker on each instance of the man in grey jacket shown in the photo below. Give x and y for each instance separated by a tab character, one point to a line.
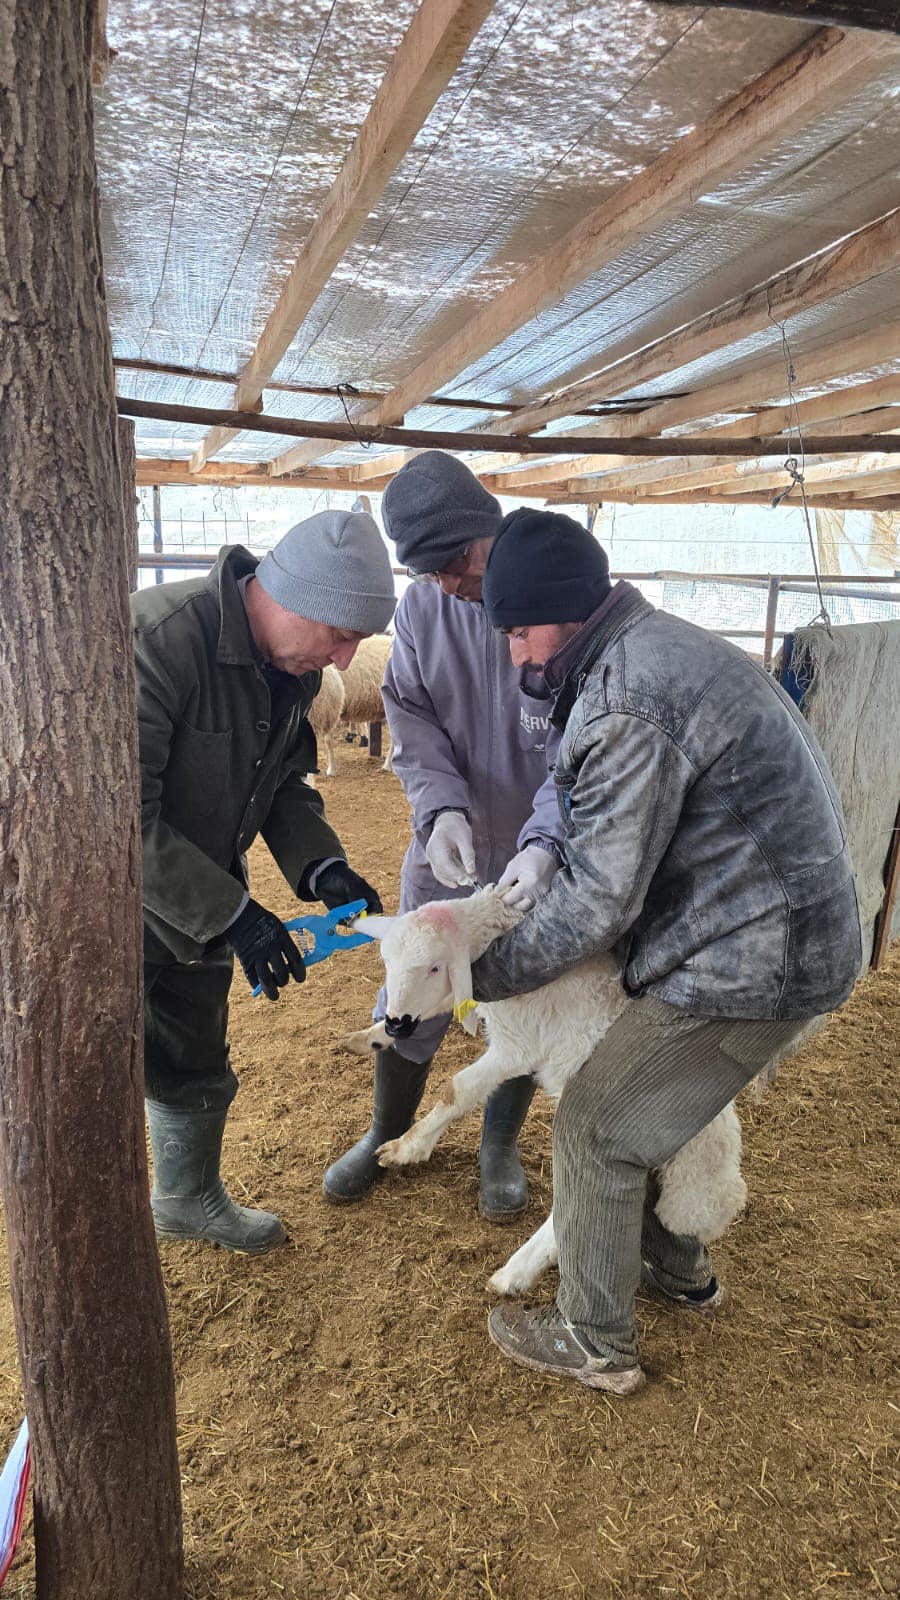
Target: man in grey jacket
472	753
705	843
227	667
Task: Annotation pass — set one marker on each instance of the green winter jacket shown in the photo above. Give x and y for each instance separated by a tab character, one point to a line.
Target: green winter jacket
214	771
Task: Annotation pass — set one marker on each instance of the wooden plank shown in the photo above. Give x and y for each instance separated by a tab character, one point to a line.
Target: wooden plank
829	411
168	369
771	619
530	478
875	347
575	494
882	15
727	141
732	477
683	473
886	914
844	265
428	55
848	479
233	474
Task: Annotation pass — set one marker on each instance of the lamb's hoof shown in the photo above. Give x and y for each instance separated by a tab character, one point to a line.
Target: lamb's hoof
502	1283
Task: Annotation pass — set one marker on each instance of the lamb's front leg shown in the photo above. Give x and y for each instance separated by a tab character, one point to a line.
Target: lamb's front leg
525	1266
467	1089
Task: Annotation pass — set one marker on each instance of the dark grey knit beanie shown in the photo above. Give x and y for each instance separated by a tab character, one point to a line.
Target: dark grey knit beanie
333	568
434	508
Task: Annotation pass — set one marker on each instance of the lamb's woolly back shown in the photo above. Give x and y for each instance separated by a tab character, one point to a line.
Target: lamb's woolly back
363	678
325	712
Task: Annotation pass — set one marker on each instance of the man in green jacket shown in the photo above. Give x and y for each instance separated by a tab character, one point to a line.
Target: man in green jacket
227	667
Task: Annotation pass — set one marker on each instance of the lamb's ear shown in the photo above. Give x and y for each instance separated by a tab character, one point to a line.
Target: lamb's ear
460	974
374	927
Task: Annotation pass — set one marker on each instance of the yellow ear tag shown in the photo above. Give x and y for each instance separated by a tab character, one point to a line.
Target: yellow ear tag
462	1008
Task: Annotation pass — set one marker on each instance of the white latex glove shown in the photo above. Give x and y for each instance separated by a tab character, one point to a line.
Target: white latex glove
528	877
450	851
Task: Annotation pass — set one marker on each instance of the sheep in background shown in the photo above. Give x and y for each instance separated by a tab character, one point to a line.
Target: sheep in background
550	1033
362	688
326	711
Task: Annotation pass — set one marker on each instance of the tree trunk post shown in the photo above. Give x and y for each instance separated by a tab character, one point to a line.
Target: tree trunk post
86	1283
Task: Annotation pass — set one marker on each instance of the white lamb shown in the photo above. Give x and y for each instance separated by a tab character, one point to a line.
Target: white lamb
551	1032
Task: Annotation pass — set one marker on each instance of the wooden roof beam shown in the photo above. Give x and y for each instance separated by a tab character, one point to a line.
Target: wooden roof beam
875	473
845	264
736	134
828	411
437	439
428	55
670	477
745	391
882	15
234	474
569	495
845	410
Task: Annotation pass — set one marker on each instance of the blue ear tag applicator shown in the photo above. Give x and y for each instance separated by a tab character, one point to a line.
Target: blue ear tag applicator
327	934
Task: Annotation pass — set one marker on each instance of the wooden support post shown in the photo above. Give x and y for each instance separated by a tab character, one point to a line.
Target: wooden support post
886	914
85	1278
127	458
375	740
771	616
157	528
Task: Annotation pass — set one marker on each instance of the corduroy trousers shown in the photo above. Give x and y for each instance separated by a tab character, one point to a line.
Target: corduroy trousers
658	1077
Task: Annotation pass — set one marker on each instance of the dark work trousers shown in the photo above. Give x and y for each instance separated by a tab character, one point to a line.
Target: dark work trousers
185	1020
657	1077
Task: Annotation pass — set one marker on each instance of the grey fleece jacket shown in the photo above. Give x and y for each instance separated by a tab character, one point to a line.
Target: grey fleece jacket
704	836
465	736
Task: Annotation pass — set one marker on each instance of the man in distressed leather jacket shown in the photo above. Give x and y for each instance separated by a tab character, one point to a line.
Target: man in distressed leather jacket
472	752
705	843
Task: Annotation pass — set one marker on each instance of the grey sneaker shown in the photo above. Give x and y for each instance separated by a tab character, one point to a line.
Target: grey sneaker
540	1337
705	1301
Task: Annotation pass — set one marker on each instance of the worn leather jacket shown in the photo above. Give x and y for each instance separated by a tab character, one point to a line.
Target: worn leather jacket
704	835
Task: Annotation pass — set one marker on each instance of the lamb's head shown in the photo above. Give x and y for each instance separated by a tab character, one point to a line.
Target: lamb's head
427	966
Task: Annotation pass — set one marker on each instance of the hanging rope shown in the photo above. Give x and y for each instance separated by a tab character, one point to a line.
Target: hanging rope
796	470
340	391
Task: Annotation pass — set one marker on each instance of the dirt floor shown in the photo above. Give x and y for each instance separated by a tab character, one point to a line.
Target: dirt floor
348	1431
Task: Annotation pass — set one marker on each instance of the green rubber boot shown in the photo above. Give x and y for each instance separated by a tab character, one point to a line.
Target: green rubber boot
399	1086
189	1199
503	1191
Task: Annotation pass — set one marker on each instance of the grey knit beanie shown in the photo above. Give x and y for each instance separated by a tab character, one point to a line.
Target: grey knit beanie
333	568
435	507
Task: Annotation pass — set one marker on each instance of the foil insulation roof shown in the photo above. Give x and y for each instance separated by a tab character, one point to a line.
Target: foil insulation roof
222	127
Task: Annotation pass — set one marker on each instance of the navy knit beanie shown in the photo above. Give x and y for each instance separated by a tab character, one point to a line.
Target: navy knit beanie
543	567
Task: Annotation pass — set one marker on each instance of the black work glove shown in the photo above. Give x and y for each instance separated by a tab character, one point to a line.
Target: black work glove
337	885
265	949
